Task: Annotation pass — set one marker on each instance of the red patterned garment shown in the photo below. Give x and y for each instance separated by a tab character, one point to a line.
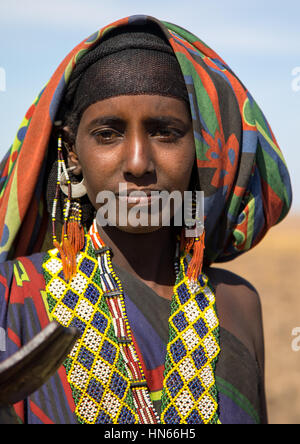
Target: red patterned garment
25	312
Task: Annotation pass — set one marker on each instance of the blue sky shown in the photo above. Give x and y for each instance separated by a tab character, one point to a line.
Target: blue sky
260	40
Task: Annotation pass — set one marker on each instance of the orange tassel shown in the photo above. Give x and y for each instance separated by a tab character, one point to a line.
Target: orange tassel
64	260
189	243
70	254
81	238
75	231
70	233
70	257
76	236
186	243
195	266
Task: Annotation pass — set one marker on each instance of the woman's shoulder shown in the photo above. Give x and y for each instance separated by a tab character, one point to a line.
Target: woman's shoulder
239	308
240	312
234	287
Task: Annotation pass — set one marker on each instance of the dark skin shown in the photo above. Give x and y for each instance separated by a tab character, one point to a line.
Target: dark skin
147	142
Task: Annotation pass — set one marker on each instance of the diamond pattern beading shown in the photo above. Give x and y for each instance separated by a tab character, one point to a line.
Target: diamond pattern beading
93	367
96	368
191	355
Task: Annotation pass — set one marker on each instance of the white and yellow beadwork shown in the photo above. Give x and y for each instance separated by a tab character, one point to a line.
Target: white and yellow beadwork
189	389
96	368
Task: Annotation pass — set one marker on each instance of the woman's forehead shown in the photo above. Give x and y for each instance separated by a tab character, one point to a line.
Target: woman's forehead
139	106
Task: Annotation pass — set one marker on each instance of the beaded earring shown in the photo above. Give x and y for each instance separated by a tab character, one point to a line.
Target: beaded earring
75	229
78	188
193	235
72	236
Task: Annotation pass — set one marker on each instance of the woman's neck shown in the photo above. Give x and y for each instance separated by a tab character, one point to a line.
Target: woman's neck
150	256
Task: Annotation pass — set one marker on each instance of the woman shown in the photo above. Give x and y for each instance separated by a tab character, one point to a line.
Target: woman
165	337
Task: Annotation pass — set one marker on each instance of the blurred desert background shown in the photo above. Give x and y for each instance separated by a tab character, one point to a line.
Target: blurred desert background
273	268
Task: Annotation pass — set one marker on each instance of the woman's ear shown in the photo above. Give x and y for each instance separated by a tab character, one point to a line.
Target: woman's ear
73	161
69	144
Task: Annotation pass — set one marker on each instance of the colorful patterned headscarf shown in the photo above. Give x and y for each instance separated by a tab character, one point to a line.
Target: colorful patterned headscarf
241	168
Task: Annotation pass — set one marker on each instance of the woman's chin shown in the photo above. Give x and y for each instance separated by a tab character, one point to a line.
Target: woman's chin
137	229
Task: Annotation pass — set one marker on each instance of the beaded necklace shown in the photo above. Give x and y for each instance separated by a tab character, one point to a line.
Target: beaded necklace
106	377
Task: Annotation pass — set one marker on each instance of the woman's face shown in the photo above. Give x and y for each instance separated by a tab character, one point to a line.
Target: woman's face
143	142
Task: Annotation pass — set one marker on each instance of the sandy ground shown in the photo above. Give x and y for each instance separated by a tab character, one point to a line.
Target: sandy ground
273	268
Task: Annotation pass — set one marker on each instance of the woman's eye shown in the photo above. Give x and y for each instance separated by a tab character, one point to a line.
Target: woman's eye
167	134
106	135
163	133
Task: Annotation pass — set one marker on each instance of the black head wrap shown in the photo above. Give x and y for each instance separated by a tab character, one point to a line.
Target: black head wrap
129	61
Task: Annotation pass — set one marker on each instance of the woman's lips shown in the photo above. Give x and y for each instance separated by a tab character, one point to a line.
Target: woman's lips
139	197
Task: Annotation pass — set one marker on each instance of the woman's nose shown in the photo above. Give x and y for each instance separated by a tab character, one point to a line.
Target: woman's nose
138	155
